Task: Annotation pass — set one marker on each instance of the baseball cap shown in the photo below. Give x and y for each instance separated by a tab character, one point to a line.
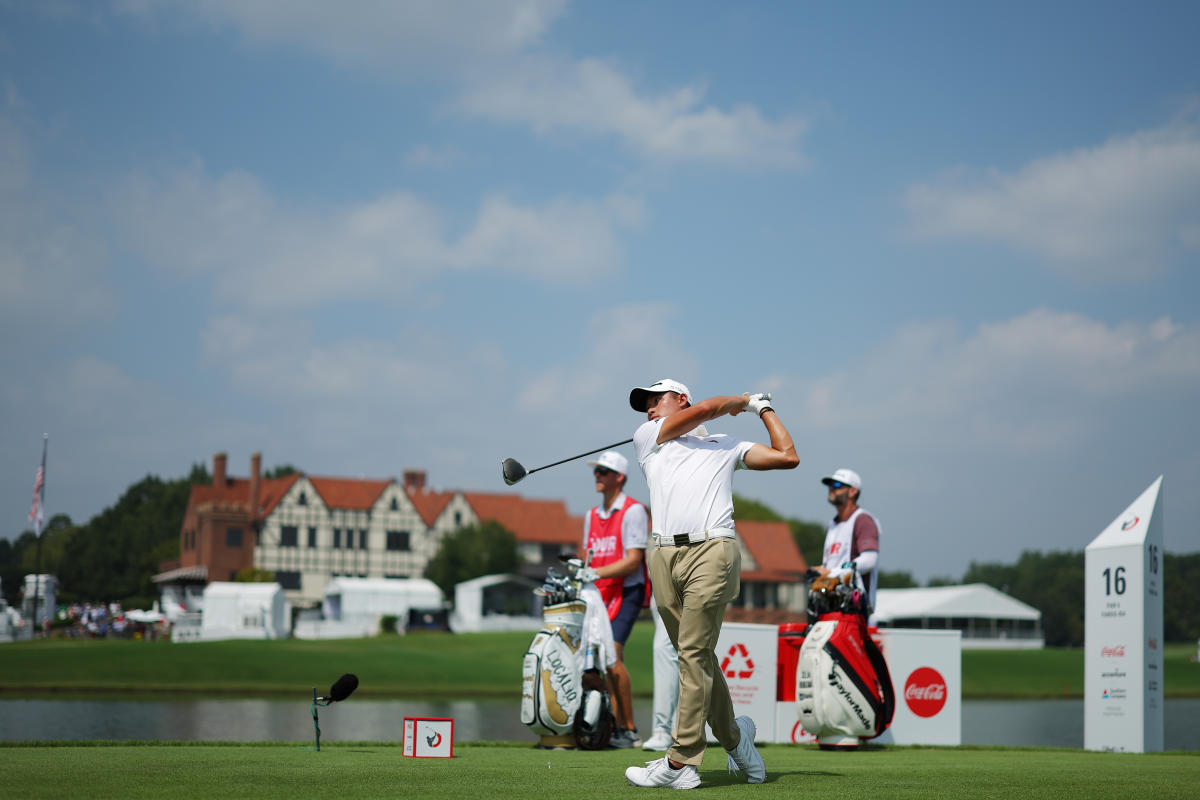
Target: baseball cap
611	460
846	476
637	398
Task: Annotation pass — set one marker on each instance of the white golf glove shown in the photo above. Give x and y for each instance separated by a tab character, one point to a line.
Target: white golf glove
759	403
586	575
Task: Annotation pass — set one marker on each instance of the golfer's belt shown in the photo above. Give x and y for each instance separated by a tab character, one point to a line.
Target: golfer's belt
696	537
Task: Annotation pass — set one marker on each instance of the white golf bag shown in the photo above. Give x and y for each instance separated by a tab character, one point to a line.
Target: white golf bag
844	691
564	696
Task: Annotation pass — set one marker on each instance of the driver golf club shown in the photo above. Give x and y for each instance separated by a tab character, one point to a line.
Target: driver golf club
513	472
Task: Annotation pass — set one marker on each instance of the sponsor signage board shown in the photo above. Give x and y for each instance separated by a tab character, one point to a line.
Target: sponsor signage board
926	669
429	737
1123	601
746	657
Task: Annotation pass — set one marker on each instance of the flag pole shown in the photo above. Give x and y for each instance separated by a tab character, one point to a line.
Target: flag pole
37	514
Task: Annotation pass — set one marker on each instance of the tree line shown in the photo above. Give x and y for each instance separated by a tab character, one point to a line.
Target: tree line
114	555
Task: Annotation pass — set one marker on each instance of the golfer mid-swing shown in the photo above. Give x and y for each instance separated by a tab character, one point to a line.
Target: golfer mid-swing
695	562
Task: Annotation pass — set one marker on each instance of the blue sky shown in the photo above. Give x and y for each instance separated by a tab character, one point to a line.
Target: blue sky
958	242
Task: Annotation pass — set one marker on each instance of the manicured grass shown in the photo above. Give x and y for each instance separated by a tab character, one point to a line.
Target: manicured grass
440	664
373	770
418	664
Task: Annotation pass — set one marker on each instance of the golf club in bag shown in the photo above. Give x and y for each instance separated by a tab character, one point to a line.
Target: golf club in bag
844	691
564	691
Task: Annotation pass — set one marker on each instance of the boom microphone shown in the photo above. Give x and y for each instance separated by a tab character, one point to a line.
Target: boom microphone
342	688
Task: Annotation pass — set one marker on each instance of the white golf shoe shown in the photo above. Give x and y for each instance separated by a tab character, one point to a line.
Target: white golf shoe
659	773
625	738
745	756
660	741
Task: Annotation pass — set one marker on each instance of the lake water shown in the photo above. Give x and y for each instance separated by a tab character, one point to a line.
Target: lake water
1054	723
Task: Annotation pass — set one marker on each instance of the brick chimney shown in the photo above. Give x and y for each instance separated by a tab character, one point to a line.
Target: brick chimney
255	483
414	480
219	470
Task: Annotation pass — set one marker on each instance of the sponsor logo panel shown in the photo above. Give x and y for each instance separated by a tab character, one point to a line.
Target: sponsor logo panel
925	692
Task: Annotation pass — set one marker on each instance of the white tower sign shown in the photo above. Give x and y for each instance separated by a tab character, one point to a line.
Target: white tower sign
1123	623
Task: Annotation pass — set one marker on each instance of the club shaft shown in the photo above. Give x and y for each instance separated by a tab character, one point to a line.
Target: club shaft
581	455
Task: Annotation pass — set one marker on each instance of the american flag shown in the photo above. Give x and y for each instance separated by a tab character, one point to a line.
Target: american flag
37	513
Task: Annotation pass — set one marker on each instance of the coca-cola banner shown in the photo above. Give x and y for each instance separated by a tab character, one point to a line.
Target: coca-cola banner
926	669
925	692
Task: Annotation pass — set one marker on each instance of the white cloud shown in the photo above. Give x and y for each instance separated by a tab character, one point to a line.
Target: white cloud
1026	433
1032	384
594	97
493	51
434	157
627	346
563	241
265	253
399	39
1114	213
49	261
454	407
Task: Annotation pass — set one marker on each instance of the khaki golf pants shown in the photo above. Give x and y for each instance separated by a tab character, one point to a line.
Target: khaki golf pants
692	586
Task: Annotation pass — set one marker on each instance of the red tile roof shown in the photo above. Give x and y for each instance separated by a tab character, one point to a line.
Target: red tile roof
430	504
236	491
531	520
272	490
355	494
771	544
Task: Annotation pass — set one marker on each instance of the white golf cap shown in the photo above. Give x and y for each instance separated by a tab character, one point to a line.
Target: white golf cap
637	398
611	460
846	476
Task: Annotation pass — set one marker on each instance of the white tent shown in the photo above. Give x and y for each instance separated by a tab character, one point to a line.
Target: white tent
244	611
353	606
7	625
500	602
987	617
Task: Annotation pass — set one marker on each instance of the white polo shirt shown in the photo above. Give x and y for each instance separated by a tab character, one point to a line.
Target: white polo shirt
690	477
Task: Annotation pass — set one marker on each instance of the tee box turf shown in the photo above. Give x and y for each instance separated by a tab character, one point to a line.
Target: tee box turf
429	737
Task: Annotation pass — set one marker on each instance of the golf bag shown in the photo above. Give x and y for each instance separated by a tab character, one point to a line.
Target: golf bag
843	688
564	695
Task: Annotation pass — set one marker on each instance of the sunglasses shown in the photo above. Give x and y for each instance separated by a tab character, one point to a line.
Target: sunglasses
837	484
602	471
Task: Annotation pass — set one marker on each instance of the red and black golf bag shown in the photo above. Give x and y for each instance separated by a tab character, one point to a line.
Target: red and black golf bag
844	691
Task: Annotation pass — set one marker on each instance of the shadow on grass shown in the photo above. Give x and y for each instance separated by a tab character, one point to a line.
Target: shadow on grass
723	779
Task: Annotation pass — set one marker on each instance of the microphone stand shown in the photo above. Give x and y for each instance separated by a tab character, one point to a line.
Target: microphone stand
317	701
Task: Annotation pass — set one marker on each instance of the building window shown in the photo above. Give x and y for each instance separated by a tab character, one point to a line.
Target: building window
337	538
312	537
289	536
395	504
362	540
288	580
457	518
302	499
398	540
233	537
